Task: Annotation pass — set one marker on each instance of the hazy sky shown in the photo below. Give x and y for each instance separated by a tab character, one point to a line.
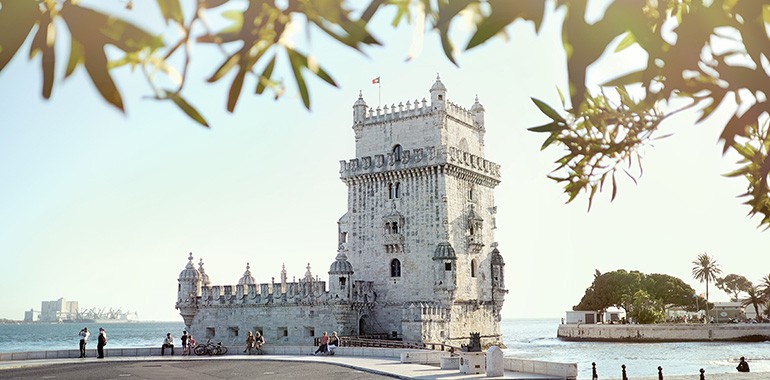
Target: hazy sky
103	208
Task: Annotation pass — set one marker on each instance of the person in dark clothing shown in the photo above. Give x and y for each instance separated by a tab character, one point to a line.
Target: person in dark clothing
185	349
743	366
101	342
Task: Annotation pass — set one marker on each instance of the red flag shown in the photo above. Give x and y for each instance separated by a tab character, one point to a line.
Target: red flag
376	80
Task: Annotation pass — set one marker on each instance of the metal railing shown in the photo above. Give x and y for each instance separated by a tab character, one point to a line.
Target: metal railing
379	341
624	376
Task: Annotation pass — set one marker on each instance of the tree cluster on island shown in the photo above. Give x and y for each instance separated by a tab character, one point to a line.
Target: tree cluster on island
646	297
697	55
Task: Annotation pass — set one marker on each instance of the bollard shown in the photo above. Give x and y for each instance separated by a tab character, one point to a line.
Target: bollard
593	368
702	374
624	372
660	373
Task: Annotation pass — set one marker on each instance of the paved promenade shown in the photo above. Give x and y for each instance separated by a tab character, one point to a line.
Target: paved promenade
234	367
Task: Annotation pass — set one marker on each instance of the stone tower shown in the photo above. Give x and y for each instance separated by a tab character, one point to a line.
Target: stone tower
421	218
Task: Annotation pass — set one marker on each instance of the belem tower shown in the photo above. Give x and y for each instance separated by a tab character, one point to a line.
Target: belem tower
416	259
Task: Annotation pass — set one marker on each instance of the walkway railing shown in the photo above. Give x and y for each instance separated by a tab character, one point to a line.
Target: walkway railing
380	342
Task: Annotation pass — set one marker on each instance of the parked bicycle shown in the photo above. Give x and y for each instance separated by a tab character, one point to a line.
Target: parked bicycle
209	348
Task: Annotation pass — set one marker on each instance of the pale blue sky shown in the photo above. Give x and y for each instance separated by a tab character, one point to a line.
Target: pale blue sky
103	208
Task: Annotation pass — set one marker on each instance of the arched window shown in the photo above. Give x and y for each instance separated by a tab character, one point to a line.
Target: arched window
394	228
473	268
398	190
390	191
397	153
395	268
388	228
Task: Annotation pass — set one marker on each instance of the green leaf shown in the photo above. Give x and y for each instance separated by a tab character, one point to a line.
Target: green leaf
44	42
627	41
503	13
614	187
226	66
548	111
171	10
17	18
96	66
187	108
265	77
92	29
235	90
550	127
76	57
549	141
297	62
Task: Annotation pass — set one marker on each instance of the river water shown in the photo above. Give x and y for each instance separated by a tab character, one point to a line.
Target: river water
525	338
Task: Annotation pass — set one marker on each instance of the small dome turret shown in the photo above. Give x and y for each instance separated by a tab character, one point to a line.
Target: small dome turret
477	107
359	109
341	265
444	251
437	85
438	95
247	277
189	273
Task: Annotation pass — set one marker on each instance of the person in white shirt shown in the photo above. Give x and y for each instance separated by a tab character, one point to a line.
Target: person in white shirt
83	340
168	342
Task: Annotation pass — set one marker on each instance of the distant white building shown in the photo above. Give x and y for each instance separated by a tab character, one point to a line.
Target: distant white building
58	311
612	315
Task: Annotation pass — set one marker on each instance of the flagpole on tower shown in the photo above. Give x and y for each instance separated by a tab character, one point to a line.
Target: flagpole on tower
379	90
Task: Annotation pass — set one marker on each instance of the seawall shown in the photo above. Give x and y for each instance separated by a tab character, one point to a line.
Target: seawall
681	332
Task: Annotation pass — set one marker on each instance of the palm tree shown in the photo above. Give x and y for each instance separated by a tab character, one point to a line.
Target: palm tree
754	298
706	269
764	288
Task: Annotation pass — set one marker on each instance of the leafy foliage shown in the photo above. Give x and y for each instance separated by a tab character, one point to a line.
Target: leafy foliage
704	51
651	294
646	309
734	285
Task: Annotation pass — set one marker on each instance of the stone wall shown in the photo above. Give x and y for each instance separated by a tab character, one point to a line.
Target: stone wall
665	332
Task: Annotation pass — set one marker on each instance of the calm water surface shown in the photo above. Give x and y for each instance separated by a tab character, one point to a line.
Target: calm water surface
525	338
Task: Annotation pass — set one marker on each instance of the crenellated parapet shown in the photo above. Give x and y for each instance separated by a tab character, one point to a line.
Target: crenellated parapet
418	158
425	311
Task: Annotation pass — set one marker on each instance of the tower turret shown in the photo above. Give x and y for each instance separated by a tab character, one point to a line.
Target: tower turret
438	95
188	292
477	114
340	273
247	278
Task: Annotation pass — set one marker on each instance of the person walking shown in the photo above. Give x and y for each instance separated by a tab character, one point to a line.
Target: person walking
83	341
743	366
324	346
249	342
168	342
101	342
259	341
185	337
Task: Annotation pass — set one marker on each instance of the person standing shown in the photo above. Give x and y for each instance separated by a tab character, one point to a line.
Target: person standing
743	366
324	346
185	348
168	342
83	341
101	342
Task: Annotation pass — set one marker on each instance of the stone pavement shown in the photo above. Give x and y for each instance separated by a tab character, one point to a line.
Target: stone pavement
389	367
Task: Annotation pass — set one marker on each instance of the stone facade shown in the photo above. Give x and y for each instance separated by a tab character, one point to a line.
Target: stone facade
417	257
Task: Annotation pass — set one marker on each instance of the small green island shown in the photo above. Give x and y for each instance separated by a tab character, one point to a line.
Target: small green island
633	306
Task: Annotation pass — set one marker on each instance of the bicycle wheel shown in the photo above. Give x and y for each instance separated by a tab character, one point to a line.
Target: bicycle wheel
200	349
222	350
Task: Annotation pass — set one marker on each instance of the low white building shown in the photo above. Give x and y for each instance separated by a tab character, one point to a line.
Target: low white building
612	315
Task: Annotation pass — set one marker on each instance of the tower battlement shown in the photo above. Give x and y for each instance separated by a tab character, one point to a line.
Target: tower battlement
419	158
